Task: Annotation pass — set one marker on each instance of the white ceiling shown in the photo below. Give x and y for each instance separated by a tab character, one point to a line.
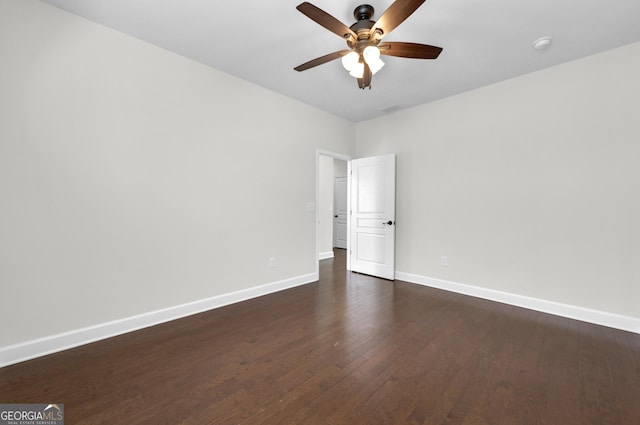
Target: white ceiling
262	41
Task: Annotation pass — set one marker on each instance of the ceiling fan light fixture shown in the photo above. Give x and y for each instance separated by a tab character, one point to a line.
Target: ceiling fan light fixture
362	58
375	66
350	60
371	55
358	70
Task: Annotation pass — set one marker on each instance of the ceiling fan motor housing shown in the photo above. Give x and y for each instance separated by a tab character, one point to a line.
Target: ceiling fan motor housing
364	11
362	27
363	14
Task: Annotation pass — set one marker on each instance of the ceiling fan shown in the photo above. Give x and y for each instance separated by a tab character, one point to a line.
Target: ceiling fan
362	58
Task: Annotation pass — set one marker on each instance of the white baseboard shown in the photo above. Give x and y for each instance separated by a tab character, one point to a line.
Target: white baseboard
42	346
625	323
325	255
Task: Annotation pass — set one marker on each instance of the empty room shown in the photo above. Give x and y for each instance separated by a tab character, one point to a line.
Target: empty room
401	212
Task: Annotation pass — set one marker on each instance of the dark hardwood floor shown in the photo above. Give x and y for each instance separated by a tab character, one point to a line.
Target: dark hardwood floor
350	349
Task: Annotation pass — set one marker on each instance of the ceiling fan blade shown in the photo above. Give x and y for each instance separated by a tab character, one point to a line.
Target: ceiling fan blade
409	50
395	15
321	60
361	83
323	18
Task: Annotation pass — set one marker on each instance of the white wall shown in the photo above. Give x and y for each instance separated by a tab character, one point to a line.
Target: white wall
530	186
133	179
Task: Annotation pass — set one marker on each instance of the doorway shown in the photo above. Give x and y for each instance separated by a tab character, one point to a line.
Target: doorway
331	169
371	211
329	165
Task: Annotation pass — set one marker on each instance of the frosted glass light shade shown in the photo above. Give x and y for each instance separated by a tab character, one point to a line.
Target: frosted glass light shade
371	53
358	70
375	66
372	57
350	60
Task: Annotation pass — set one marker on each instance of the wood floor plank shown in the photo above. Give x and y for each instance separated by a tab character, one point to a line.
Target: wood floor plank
349	349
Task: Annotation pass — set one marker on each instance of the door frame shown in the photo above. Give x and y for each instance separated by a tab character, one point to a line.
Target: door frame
334	155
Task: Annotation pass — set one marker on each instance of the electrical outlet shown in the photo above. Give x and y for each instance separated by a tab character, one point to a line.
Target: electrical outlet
444	261
272	262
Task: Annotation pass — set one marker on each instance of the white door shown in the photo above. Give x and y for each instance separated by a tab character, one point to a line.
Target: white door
340	212
373	215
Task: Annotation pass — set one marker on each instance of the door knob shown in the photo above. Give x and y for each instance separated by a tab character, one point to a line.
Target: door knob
388	222
335	216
